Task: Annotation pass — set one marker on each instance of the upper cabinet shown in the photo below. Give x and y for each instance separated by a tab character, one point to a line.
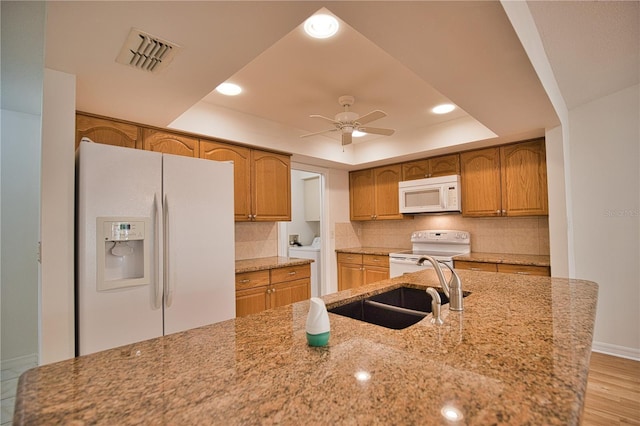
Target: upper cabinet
169	143
109	132
373	193
262	181
270	186
510	180
431	167
241	158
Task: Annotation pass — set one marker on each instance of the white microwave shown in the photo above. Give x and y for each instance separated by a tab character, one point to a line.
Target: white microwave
430	195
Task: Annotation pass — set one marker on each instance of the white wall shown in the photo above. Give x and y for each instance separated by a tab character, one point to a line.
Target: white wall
337	206
605	192
22	73
20	233
57	332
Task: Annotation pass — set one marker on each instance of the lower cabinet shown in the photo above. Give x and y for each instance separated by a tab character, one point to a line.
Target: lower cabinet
503	267
355	269
266	289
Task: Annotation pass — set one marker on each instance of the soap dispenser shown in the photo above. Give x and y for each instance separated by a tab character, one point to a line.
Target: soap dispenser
318	328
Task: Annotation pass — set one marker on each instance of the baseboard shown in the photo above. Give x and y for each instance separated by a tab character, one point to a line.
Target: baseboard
9	364
615	350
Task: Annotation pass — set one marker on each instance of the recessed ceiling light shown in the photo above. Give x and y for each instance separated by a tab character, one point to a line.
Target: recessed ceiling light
443	109
229	89
358	134
321	26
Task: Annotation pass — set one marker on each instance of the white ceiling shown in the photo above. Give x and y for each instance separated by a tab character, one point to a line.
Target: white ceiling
401	57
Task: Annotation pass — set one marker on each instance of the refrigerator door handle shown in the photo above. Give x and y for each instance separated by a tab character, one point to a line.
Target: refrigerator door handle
167	258
156	252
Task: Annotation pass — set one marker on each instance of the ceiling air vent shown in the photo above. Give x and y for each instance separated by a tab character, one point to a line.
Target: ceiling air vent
146	52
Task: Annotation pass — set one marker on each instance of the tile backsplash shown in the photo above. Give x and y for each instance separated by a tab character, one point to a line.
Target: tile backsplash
256	239
515	235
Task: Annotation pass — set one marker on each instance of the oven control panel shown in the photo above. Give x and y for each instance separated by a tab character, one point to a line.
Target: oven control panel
441	235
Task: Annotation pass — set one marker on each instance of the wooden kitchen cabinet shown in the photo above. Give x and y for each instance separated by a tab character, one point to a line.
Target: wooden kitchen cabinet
373	193
523	168
266	289
509	180
508	268
241	158
108	132
355	270
270	186
431	167
169	143
262	181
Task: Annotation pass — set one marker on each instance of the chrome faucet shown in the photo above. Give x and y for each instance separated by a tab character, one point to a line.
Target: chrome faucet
453	288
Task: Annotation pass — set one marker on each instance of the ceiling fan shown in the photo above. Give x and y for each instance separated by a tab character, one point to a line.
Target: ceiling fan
347	122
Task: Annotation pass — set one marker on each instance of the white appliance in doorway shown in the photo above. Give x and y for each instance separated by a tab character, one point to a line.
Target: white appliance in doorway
155	237
310	252
441	244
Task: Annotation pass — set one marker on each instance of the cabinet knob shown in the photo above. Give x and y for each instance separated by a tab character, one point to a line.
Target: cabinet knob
292	273
245	281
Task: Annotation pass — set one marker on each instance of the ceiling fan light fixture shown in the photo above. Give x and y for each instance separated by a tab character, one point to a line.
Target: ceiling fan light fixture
229	89
358	134
321	26
443	109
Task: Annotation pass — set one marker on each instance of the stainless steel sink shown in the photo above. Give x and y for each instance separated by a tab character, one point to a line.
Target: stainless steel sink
397	309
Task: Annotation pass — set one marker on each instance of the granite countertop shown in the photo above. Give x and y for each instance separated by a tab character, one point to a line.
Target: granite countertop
378	251
262	263
514	259
518	354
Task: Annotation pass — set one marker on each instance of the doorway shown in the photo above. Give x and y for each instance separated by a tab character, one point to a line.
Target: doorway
303	236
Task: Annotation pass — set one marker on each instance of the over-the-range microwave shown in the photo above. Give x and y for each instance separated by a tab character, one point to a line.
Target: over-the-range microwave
430	195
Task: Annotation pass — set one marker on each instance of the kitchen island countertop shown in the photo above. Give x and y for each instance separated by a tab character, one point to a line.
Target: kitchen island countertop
518	354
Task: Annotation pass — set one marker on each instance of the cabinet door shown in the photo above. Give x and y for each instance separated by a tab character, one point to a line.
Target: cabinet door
169	143
350	275
290	292
413	170
524	179
480	182
251	301
107	132
387	204
241	158
444	165
271	185
361	195
373	274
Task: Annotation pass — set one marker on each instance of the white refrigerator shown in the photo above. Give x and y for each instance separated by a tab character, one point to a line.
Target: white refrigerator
155	245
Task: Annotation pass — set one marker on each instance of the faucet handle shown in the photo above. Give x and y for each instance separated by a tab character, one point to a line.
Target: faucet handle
455	290
435	306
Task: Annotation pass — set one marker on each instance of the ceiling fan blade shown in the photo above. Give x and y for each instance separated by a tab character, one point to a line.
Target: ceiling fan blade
331	120
318	133
373	115
377	131
346	139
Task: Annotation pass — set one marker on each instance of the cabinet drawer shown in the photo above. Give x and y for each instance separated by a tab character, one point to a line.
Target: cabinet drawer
290	273
350	258
475	266
375	260
524	269
246	280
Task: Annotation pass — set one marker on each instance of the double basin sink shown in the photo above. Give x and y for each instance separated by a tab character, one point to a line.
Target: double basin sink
397	309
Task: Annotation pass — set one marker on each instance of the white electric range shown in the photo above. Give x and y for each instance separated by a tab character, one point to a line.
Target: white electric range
441	244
